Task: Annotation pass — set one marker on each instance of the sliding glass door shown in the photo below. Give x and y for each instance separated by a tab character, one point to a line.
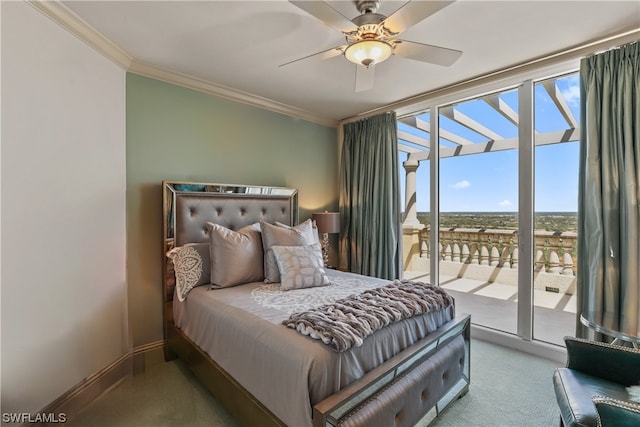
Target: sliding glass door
556	203
502	191
478	208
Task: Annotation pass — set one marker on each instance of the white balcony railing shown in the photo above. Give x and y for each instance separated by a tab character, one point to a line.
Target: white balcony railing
555	252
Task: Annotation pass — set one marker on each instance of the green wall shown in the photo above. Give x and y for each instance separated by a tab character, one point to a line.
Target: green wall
174	133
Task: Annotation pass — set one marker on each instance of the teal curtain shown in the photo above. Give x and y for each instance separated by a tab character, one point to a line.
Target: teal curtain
609	189
369	202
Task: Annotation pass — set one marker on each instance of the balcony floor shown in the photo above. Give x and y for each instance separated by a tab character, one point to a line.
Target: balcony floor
493	305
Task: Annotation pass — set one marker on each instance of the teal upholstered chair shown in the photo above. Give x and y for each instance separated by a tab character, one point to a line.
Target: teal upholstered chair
612	412
593	388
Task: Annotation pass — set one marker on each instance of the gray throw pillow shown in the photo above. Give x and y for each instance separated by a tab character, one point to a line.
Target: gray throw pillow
236	256
314	230
282	235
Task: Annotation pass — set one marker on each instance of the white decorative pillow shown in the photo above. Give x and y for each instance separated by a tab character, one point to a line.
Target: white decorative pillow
191	266
300	266
236	256
282	235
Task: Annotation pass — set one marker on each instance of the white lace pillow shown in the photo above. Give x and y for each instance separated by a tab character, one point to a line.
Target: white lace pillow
300	266
188	265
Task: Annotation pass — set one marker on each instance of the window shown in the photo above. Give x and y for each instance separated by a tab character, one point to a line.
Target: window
482	173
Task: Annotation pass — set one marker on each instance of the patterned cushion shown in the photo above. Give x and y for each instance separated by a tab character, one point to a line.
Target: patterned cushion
282	235
192	267
236	256
300	266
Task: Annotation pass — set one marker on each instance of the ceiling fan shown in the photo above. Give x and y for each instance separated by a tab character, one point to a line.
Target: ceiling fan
372	37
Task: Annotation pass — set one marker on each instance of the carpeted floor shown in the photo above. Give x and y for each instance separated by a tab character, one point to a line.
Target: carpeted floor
166	395
508	389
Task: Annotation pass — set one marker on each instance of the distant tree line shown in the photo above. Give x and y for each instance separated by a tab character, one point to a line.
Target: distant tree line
549	221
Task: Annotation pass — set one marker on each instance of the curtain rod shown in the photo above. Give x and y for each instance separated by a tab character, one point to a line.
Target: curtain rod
561	56
613	48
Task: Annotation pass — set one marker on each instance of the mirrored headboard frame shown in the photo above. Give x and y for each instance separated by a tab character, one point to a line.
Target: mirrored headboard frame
180	196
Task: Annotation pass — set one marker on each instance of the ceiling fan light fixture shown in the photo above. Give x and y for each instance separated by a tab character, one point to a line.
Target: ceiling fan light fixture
367	52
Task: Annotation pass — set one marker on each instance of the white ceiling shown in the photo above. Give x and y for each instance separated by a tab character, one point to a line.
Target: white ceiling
240	44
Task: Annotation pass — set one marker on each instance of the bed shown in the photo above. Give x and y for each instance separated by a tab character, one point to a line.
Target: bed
266	374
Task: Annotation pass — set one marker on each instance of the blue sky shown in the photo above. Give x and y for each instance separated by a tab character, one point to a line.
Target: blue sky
488	182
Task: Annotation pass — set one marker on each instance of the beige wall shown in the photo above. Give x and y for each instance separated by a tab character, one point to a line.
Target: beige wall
175	133
81	190
64	313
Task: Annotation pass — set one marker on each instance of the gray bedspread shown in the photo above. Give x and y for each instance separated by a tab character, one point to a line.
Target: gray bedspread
241	329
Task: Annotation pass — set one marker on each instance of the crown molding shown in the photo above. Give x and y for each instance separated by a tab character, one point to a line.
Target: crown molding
70	21
205	86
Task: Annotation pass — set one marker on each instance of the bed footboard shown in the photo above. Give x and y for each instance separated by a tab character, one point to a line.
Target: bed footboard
413	387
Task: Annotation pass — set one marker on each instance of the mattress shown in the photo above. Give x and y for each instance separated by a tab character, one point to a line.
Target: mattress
241	329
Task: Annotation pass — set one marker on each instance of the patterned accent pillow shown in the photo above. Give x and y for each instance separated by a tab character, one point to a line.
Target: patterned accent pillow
191	265
282	235
236	256
300	266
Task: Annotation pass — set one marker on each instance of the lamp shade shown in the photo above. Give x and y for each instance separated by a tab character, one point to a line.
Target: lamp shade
327	222
367	52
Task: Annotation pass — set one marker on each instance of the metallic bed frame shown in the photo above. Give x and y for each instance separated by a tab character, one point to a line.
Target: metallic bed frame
413	386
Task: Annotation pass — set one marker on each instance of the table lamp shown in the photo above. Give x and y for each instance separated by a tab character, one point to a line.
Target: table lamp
327	223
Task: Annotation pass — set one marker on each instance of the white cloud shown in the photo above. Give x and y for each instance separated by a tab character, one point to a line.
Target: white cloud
505	203
572	94
573	79
461	184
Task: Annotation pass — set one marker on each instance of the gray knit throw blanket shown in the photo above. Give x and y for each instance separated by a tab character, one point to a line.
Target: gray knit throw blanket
346	322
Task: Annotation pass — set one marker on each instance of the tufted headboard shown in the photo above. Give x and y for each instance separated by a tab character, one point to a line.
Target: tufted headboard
232	210
188	206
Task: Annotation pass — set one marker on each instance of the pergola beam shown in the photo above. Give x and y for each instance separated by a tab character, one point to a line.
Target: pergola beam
414	139
444	134
502	107
496	142
556	137
466	121
558	98
425	126
407	149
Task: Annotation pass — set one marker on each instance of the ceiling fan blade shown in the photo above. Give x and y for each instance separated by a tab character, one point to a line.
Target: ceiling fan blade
323	55
427	53
365	77
325	13
413	12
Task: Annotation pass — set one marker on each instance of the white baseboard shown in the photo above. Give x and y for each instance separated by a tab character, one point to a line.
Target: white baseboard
537	348
99	383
